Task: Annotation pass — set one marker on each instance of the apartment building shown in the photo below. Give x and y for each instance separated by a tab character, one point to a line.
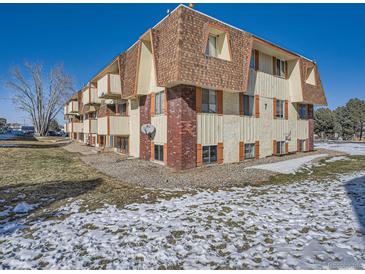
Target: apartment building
212	93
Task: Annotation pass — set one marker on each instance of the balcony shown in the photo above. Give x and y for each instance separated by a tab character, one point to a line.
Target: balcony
91	126
113	125
73	107
77	127
109	87
90	96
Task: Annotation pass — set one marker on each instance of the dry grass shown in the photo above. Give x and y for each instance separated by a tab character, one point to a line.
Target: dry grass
52	176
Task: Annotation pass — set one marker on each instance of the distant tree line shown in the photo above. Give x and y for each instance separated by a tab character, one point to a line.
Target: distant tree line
345	122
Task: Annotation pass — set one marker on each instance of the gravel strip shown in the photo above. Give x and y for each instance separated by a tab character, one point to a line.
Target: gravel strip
154	175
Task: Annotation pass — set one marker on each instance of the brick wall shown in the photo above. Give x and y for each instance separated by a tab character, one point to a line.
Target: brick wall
195	67
130	69
181	127
311	94
145	118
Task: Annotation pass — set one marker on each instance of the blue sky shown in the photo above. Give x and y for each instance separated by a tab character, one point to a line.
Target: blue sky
85	37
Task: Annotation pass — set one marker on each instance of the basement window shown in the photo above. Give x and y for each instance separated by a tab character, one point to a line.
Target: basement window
159	153
249	151
301	145
280	147
209	154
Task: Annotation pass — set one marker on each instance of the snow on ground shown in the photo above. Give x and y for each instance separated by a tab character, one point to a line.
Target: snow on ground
337	158
289	166
350	148
302	225
24	207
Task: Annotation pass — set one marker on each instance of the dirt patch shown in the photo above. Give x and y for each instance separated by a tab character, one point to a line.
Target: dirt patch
154	175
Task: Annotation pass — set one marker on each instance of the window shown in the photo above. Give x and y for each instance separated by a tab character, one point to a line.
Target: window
252	61
122	109
111	109
209	101
159	102
249	151
211	49
301	145
280	147
248	103
302	111
159	152
209	154
310	77
279	109
280	68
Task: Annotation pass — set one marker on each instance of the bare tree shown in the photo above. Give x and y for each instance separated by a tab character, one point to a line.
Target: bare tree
31	97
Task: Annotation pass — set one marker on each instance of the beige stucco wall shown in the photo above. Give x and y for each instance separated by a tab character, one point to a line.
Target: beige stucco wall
119	125
160	123
231	128
102	125
134	127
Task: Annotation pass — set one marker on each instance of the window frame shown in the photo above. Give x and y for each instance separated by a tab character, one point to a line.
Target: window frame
250	151
206	106
280	147
159	155
208	49
302	145
252	60
280	111
211	159
159	103
280	64
300	114
252	98
118	107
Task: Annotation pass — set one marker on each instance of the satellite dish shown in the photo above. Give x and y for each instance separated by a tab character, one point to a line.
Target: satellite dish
288	137
149	130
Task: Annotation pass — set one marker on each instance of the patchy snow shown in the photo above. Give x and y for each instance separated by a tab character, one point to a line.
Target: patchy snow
337	158
289	166
24	207
350	148
306	225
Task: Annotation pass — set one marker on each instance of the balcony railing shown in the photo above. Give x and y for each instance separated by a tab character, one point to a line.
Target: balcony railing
113	125
91	126
109	87
77	127
90	96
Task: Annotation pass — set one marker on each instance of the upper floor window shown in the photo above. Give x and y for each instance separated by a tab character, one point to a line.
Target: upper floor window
122	109
209	101
302	111
309	77
248	105
218	45
211	49
280	68
159	102
252	60
279	108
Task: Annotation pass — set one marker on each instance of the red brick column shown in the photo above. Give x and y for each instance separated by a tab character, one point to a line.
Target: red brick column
181	127
144	118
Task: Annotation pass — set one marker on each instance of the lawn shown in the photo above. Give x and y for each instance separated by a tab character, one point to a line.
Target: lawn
82	219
